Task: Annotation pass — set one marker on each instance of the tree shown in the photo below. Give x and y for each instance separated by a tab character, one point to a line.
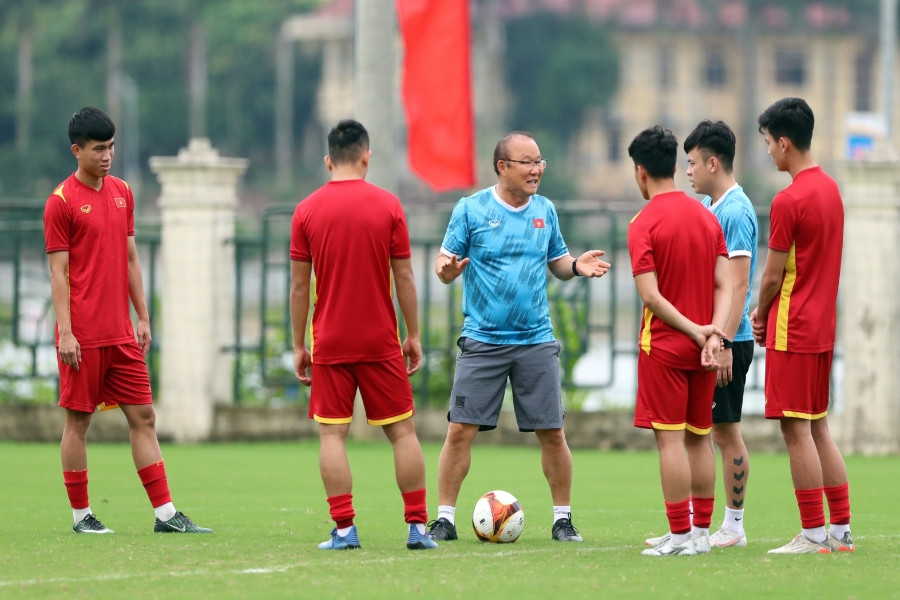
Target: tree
557	68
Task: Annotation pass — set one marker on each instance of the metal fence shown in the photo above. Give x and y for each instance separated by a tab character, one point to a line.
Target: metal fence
596	320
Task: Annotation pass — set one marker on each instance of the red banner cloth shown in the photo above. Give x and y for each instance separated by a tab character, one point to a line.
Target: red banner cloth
437	91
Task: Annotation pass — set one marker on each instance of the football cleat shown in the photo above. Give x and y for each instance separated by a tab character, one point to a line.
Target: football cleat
845	544
348	542
667	548
91	524
442	529
802	545
564	531
419	541
725	537
180	523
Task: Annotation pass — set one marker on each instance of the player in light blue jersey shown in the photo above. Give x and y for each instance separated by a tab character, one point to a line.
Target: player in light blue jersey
710	150
502	241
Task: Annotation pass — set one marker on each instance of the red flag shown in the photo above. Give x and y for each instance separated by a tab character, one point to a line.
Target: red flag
437	91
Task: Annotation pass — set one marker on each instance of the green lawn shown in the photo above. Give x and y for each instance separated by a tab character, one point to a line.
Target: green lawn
267	506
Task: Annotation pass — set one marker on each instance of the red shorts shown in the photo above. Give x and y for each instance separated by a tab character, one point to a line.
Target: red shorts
384	387
797	385
110	375
670	398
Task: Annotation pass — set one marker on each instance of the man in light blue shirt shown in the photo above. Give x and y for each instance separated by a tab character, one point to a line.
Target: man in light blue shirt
502	241
710	152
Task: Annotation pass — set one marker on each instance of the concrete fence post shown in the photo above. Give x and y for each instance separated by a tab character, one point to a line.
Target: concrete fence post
198	202
869	311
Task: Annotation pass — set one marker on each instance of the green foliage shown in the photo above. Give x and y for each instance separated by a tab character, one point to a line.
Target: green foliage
70	53
553	83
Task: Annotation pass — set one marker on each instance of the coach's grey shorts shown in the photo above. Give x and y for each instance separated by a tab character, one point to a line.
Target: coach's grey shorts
482	371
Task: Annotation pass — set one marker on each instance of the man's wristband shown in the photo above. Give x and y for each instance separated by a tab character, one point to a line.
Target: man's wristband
728	344
574	270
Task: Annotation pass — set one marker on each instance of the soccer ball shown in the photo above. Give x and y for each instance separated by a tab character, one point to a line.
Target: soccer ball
498	517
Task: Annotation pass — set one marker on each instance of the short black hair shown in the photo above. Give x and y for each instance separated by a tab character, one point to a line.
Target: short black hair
500	151
655	149
347	141
713	138
791	118
90	123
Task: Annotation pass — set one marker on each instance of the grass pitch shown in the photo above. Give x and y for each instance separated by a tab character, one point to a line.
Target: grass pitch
268	509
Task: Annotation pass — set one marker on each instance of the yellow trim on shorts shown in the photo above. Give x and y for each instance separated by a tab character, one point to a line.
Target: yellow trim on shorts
800	415
668	426
388	421
330	421
697	430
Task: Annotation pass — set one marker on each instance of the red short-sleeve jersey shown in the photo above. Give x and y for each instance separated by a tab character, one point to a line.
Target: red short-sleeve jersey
807	222
679	239
93	227
350	231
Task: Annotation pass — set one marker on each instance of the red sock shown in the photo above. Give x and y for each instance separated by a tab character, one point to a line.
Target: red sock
679	515
838	504
76	487
703	510
342	510
154	479
812	509
414	508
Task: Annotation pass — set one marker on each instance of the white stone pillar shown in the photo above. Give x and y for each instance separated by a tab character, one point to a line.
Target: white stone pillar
198	201
869	309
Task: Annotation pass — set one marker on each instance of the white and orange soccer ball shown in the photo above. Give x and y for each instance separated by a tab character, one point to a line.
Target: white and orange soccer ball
498	517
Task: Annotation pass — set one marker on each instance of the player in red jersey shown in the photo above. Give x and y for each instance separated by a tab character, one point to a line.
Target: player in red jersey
796	321
680	265
94	271
354	236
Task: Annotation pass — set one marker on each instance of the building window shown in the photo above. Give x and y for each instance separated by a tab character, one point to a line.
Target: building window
790	67
862	92
665	67
614	141
716	71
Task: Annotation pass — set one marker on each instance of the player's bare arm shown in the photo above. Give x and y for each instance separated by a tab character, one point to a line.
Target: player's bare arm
448	268
301	273
405	283
69	348
138	299
740	283
722	296
588	264
769	286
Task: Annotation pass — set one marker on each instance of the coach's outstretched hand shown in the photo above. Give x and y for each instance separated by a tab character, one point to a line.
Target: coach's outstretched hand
449	268
590	265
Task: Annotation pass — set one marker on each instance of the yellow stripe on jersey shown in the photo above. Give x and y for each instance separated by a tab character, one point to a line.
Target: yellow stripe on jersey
784	306
59	192
645	332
